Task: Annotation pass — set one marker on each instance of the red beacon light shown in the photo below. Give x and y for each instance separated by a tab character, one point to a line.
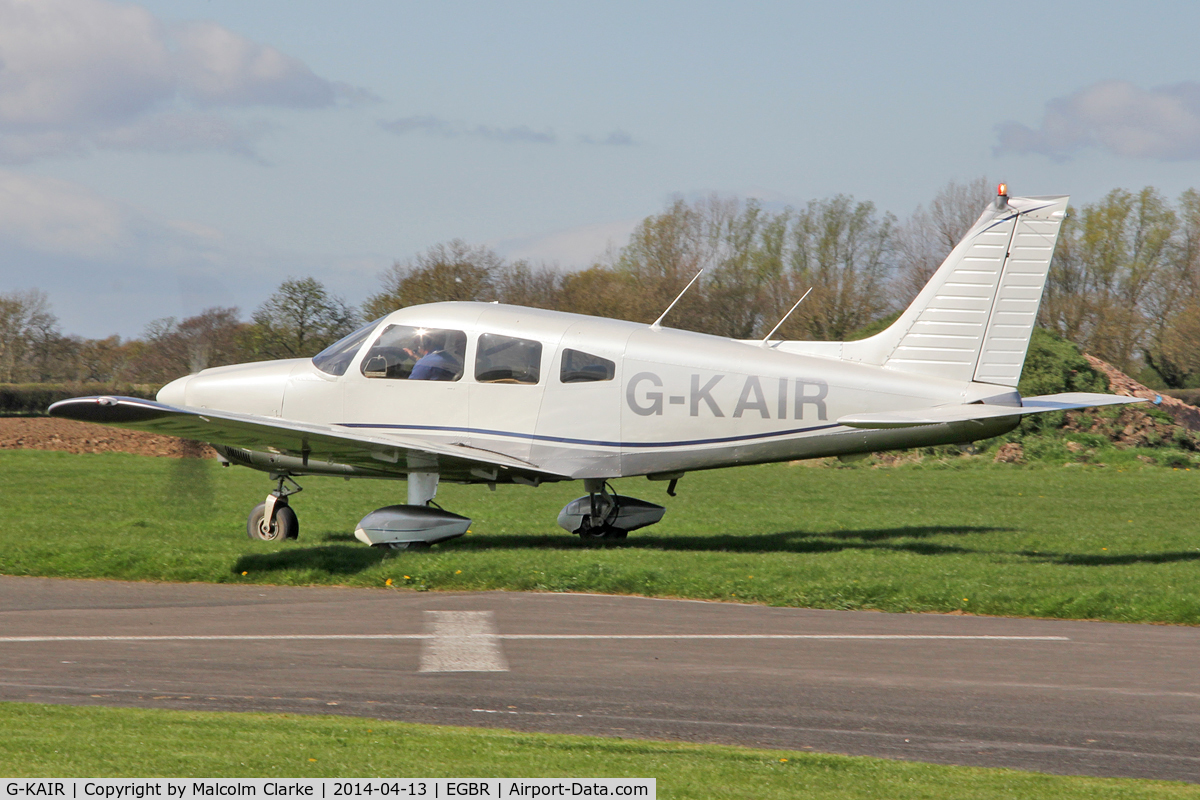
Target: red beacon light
1002	190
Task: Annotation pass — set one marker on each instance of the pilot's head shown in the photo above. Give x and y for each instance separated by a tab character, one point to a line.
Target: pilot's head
431	342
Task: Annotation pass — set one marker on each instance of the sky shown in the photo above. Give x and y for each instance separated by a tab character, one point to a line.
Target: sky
159	158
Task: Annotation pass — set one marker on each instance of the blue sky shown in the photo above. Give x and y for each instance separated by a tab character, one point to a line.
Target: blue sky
157	158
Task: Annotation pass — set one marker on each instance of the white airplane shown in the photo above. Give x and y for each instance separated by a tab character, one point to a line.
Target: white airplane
488	393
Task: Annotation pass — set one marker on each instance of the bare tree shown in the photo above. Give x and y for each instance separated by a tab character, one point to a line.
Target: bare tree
25	321
212	338
928	236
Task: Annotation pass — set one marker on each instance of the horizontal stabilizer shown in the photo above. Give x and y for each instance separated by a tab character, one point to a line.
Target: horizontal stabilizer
981	411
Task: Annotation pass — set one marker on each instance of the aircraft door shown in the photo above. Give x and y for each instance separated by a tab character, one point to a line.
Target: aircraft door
410	382
509	379
580	419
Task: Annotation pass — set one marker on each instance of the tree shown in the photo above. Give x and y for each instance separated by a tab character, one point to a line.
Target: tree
1101	285
843	250
928	236
742	288
300	319
522	285
1174	353
450	271
27	328
214	337
665	252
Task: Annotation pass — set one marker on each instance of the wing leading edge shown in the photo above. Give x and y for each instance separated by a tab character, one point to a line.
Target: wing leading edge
937	415
370	455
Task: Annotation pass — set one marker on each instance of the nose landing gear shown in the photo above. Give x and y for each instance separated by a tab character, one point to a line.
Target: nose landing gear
273	520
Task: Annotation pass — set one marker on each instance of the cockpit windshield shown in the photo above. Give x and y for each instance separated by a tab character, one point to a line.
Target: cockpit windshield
335	359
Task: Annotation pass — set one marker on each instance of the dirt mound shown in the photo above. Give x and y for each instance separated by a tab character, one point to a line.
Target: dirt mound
47	433
1188	416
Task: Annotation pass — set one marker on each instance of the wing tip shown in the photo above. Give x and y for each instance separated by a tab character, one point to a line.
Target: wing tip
106	409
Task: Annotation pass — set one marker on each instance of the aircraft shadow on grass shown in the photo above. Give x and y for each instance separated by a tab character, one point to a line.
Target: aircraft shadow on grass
332	559
779	542
1115	560
335	558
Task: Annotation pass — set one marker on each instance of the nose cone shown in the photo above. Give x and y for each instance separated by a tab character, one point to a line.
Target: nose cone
175	392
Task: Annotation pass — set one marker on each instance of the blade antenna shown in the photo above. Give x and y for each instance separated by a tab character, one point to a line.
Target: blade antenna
767	339
658	322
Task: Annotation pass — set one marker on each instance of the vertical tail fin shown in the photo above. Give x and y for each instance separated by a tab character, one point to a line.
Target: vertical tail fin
973	320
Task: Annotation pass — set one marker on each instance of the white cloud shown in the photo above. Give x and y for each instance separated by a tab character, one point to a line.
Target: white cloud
1162	123
55	217
76	74
217	67
111	268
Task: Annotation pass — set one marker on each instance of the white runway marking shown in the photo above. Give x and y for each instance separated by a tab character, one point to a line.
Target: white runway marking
270	637
462	641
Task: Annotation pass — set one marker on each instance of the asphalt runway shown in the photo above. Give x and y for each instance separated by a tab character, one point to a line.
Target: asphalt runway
1065	697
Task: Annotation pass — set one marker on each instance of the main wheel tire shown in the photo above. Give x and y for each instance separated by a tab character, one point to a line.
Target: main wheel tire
600	533
285	525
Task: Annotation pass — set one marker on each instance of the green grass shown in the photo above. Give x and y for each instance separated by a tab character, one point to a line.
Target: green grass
1117	542
64	741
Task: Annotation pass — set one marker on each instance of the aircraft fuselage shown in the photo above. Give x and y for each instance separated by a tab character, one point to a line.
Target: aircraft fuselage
670	400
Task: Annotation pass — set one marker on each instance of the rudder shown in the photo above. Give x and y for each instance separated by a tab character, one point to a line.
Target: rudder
974	319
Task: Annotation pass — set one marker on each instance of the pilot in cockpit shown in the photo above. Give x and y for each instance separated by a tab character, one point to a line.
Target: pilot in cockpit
434	361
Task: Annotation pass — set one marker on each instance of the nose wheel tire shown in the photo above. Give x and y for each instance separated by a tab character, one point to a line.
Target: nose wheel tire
285	525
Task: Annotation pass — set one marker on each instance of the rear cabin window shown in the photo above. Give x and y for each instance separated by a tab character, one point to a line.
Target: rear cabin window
505	359
403	352
581	367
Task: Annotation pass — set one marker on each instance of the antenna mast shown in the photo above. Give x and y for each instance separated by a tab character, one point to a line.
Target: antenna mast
658	322
767	339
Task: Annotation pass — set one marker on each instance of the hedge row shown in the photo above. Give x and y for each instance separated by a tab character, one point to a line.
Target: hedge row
24	399
1189	396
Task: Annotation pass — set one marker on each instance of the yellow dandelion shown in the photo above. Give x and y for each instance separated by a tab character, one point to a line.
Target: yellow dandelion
312	759
783	761
458	572
388	582
245	573
407	578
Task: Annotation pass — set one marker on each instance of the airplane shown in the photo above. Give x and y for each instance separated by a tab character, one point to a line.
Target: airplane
483	393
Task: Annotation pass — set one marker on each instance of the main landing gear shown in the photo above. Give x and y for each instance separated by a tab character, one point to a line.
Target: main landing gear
414	526
273	520
605	515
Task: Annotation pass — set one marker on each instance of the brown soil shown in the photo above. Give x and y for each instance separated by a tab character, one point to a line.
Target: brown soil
1187	416
47	433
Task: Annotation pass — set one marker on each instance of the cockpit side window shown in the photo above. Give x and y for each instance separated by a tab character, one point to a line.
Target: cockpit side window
506	359
335	359
580	367
403	352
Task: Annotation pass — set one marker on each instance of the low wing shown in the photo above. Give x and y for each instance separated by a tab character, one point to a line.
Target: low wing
370	455
979	411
